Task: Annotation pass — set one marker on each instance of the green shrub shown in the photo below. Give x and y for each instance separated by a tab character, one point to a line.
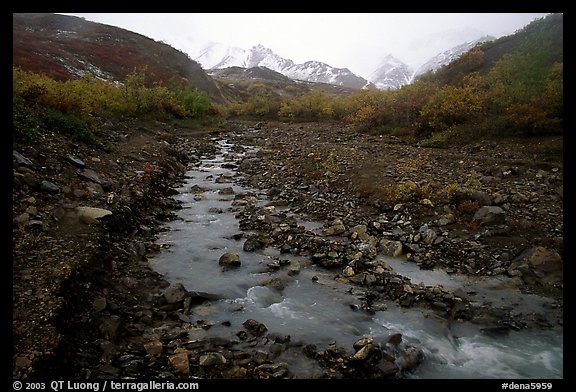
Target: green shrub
68	124
25	122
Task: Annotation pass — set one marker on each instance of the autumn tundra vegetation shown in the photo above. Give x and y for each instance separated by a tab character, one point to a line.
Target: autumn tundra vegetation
488	91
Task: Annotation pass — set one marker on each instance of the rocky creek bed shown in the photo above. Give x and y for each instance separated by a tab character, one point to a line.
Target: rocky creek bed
86	303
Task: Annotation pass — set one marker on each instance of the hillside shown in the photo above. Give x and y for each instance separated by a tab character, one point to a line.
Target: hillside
67	47
542	41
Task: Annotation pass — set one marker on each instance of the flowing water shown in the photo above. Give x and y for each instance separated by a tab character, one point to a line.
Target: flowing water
313	308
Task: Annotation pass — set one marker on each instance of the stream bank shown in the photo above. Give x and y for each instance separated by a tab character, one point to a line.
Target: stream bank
123	323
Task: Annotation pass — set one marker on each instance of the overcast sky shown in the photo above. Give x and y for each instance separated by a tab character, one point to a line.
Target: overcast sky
358	41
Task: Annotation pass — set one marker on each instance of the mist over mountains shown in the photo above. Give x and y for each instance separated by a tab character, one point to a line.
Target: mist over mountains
390	73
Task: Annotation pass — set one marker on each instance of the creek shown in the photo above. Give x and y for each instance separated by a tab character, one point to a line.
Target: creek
315	309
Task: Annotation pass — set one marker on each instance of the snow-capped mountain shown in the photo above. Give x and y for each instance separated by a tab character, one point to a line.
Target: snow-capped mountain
391	74
427	46
447	56
217	56
316	71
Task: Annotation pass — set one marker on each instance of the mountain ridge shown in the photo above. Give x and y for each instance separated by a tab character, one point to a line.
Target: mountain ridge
219	56
391	73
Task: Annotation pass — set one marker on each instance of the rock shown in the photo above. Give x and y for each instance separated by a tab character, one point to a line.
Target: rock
538	263
482	197
22	218
110	327
91	215
336	228
230	259
20	159
490	215
49	186
294	268
175	293
348	272
254	327
154	347
446	219
362	342
367	352
429	236
360	232
252	244
211	359
391	248
22	361
395	339
427	202
410	359
496	332
91	175
99	304
387	368
226	191
75	161
180	360
275	283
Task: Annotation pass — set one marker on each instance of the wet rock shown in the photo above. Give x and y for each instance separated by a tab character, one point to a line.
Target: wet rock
369	352
226	191
395	339
410	358
275	283
197	189
348	272
175	293
230	259
387	368
358	344
254	327
252	244
294	268
212	359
